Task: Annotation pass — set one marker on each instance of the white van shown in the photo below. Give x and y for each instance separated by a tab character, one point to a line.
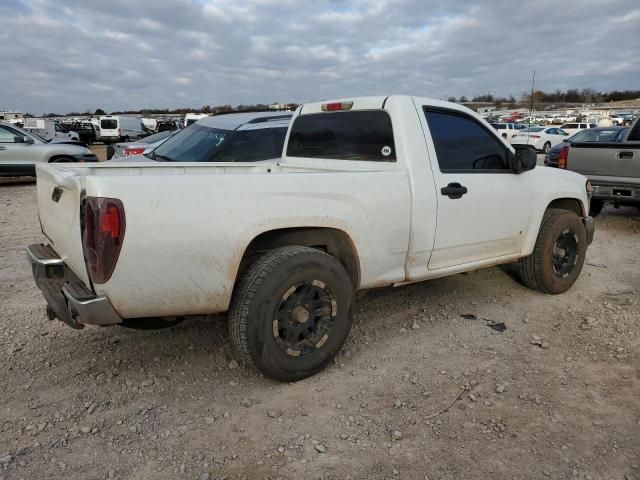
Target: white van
150	123
49	129
114	128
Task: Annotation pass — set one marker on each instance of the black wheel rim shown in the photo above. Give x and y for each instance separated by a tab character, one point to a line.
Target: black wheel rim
305	318
565	254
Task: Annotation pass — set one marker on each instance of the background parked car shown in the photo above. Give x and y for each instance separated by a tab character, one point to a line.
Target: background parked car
48	129
168	125
20	150
541	138
115	128
139	147
507	130
597	134
233	137
572	128
88	132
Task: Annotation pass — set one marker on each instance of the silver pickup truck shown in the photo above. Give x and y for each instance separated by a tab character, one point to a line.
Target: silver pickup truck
612	167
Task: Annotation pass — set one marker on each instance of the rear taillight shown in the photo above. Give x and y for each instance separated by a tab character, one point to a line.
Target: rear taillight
133	151
564	157
336	106
120	132
102	236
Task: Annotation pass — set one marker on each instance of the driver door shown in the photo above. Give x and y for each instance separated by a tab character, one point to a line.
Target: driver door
484	209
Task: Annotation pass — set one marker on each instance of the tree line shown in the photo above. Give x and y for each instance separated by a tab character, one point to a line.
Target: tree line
572	95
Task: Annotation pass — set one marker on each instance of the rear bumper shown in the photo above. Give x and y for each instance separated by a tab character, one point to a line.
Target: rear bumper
589	228
68	299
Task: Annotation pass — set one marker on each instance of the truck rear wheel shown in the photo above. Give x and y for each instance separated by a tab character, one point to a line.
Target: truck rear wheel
558	254
291	312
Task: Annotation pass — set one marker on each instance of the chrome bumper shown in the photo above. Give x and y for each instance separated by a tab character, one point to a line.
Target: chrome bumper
68	299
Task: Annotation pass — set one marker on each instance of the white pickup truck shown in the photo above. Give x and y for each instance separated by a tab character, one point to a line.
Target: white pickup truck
369	192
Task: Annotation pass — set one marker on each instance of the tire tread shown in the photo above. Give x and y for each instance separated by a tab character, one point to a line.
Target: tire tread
530	268
245	292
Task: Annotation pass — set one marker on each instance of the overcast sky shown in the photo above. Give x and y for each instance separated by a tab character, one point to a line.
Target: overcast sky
129	54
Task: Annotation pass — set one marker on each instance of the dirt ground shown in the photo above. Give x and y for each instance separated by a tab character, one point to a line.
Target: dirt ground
112	403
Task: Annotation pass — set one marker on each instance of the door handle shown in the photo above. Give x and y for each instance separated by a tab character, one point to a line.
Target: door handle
453	191
625	155
2	148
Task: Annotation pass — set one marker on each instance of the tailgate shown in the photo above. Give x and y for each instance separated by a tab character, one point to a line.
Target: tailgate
605	159
59	193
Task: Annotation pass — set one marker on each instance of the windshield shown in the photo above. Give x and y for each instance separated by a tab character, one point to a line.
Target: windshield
108	124
592	135
532	129
156	137
195	144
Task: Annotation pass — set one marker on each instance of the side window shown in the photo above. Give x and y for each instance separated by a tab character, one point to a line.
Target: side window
58	128
7	135
464	144
248	146
365	135
634	134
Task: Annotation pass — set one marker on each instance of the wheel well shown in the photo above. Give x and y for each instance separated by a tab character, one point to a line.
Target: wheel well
330	240
570	204
58	157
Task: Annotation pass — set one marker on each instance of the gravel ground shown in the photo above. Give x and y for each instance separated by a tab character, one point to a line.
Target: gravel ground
553	396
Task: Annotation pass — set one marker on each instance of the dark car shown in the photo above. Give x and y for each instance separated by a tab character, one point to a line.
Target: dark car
87	131
598	134
167	125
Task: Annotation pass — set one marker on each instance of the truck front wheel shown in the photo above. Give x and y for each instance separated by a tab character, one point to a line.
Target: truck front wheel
291	312
596	206
558	254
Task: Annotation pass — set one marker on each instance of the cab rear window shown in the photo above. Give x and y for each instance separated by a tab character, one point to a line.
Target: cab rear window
365	135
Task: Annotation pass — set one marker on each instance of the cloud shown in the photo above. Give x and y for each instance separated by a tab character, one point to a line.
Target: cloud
126	54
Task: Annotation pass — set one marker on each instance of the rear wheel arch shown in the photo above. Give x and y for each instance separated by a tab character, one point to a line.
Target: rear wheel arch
333	241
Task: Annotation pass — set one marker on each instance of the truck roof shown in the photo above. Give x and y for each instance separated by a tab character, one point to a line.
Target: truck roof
377	102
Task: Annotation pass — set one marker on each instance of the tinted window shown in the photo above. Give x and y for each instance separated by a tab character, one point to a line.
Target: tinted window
205	144
463	144
248	146
359	135
109	124
634	135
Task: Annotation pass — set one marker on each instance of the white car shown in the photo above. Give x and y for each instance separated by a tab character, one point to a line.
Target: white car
572	128
369	192
541	138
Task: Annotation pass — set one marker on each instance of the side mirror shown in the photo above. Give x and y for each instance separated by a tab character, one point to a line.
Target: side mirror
525	159
28	139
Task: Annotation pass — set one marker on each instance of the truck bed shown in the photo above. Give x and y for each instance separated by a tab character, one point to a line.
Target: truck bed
176	209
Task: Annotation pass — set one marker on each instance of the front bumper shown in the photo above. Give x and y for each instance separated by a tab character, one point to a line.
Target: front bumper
617	193
590	228
68	299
